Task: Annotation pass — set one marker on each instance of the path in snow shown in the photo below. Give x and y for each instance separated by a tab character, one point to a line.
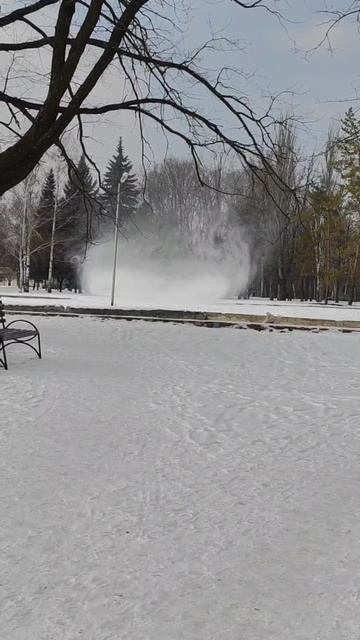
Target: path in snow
161	482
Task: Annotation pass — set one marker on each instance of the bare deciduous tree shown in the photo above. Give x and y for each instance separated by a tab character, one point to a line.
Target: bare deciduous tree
87	37
177	202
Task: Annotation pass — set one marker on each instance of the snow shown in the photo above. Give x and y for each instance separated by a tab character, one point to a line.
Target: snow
166	482
253	306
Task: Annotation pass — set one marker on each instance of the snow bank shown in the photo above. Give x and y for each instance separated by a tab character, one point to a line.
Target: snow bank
253	306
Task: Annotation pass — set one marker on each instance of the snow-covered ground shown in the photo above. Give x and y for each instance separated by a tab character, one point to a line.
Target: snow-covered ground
162	482
254	306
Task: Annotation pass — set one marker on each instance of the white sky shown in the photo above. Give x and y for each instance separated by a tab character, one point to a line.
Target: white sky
273	54
277	56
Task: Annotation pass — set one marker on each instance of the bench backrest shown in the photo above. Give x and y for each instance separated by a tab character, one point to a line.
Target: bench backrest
2	314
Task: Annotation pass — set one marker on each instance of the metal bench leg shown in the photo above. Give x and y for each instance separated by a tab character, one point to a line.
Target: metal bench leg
3	359
39	346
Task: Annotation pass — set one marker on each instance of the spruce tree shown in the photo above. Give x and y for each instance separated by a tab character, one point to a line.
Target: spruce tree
46	205
78	206
77	221
349	163
118	166
40	246
349	166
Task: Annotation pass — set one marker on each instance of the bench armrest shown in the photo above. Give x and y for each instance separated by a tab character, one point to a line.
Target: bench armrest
23	322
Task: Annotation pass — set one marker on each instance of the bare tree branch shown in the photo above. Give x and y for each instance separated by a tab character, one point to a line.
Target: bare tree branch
127	31
19	14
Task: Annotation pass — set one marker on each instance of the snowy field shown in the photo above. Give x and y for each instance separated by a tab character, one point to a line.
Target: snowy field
162	482
253	306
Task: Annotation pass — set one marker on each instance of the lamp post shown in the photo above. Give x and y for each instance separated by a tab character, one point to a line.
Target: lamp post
116	235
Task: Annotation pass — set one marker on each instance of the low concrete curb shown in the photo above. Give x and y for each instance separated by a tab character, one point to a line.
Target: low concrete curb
239	320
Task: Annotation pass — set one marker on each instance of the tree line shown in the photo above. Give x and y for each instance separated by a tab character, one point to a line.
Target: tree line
45	232
303	239
315	245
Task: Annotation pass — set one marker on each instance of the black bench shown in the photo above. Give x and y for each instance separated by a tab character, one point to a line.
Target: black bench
12	333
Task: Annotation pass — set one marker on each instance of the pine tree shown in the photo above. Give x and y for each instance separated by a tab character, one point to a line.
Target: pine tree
46	206
117	167
78	207
349	166
349	161
77	222
47	198
40	245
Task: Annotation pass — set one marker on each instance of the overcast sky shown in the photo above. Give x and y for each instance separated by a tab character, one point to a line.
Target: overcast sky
277	55
273	52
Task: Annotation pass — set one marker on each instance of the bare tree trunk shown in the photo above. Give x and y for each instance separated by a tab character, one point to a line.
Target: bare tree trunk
21	268
281	288
22	249
27	257
27	266
353	274
318	283
262	278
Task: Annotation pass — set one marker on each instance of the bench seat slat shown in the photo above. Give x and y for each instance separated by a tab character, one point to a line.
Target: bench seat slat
14	334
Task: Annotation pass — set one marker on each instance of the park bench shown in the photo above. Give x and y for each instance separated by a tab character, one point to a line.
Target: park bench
12	333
